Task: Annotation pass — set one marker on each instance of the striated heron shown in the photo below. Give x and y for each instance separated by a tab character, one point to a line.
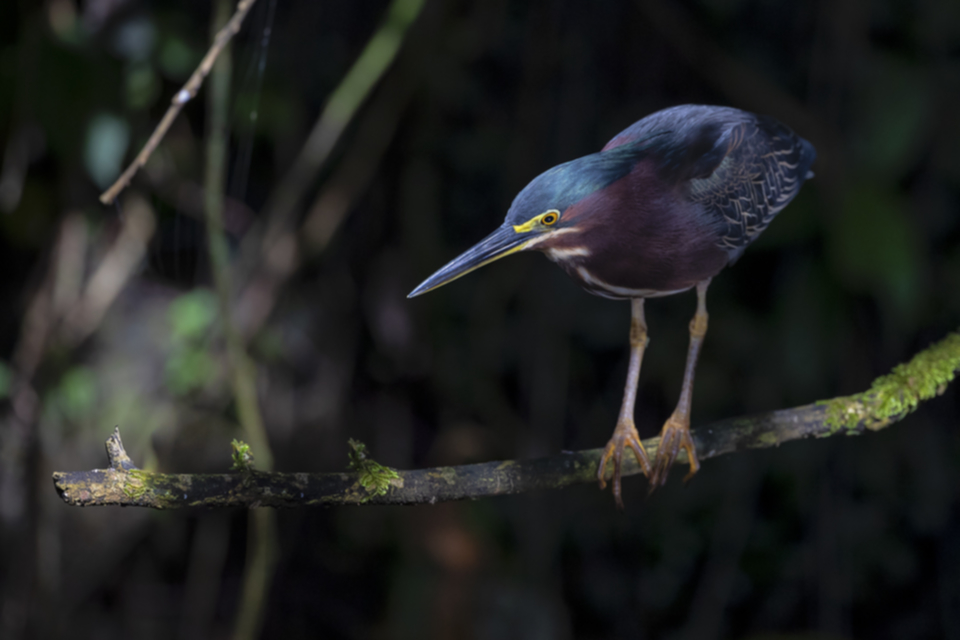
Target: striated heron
661	209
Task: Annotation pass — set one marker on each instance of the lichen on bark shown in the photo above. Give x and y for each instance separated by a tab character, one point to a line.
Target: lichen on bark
899	392
890	398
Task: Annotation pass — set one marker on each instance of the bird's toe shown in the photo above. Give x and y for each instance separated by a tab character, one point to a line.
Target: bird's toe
625	436
674	437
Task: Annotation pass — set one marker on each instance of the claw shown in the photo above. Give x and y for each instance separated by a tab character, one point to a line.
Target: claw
625	436
674	436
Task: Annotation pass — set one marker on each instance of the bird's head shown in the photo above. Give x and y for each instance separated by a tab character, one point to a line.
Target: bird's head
546	209
527	225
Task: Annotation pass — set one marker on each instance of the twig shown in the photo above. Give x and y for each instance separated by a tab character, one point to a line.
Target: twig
116	269
243	372
271	252
271	263
182	97
261	542
361	162
344	102
889	400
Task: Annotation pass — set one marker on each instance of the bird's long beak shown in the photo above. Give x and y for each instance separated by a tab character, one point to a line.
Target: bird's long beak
500	243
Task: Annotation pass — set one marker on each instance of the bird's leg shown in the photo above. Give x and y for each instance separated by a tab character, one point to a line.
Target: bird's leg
625	434
676	432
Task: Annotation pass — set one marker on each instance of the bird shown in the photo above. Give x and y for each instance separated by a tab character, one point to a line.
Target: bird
665	205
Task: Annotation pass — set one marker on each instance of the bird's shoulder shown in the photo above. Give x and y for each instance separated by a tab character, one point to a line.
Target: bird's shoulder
686	141
741	169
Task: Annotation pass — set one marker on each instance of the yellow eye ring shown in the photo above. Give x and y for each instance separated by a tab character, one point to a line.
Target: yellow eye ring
550	217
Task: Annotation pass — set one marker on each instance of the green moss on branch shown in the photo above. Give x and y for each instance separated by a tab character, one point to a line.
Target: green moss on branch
899	393
889	399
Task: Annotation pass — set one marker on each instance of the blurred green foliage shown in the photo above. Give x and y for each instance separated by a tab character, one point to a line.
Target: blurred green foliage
177	59
190	365
876	251
192	315
6	380
76	395
107	140
895	115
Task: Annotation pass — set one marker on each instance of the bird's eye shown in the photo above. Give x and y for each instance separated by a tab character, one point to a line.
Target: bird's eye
550	218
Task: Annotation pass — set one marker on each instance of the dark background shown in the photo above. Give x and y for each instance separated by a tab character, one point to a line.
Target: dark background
836	538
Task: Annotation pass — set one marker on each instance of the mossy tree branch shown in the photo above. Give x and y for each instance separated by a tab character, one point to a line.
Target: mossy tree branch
891	398
186	94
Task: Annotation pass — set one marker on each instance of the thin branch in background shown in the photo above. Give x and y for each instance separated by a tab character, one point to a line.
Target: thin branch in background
243	371
359	163
63	311
68	260
241	170
182	97
339	111
355	170
891	398
201	589
24	146
271	255
262	550
118	266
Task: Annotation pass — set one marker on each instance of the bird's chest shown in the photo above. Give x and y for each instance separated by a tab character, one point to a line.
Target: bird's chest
655	254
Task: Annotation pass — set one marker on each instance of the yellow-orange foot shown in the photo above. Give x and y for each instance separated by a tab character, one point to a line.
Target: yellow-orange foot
674	436
624	436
